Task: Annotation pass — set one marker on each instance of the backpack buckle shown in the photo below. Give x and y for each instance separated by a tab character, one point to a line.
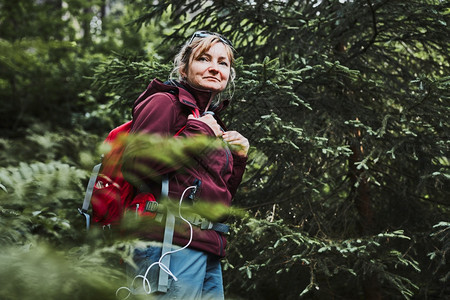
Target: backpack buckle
200	221
151	206
195	220
206	225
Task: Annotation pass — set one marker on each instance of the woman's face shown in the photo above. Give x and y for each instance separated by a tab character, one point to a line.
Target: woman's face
211	70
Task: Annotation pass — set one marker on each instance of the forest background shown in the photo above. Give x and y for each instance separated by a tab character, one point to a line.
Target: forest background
345	104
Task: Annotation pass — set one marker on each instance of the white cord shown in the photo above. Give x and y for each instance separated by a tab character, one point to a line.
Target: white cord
145	281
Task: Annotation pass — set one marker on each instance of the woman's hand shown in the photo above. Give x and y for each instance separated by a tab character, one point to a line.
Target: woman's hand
239	144
209	120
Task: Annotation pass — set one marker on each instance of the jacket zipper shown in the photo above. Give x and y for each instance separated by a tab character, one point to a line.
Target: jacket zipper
227	155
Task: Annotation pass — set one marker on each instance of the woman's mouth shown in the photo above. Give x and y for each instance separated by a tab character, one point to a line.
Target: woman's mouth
212	78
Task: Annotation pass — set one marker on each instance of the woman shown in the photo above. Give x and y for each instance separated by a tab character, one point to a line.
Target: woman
205	69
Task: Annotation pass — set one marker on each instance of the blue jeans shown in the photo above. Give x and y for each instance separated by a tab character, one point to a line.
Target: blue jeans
199	274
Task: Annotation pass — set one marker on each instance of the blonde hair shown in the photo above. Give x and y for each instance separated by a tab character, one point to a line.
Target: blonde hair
196	48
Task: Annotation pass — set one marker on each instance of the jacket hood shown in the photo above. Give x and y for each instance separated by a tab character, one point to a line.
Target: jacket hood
187	95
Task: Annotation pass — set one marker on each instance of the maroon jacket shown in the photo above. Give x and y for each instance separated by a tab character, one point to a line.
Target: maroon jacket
163	109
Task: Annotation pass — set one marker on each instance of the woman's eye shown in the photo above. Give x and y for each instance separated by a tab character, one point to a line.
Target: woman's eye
224	63
202	58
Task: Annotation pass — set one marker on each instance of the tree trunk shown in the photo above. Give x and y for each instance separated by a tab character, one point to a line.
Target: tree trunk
360	186
86	26
103	15
361	194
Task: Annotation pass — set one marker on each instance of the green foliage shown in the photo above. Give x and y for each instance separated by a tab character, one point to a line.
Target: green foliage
320	265
30	83
123	79
38	199
41	144
439	256
49	51
36	270
39	224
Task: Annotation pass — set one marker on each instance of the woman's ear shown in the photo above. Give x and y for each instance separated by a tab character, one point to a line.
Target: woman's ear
182	71
183	74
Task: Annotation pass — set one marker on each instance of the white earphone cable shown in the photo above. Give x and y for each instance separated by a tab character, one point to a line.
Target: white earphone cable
145	282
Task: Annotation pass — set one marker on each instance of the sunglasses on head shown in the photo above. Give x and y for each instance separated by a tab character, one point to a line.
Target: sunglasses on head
203	34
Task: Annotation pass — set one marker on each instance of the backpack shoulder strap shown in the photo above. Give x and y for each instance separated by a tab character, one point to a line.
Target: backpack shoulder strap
88	195
195	113
163	280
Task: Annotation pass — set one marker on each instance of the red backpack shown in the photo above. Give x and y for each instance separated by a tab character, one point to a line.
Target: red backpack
107	189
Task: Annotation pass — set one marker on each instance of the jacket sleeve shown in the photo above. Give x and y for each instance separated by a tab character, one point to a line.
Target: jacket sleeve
195	127
239	163
154	115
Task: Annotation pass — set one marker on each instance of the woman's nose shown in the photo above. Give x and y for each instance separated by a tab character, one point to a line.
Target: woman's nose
213	67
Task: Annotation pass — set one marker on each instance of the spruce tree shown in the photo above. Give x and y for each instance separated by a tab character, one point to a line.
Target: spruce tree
346	106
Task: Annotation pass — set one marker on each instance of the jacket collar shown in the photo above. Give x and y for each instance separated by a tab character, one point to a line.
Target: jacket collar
203	97
187	95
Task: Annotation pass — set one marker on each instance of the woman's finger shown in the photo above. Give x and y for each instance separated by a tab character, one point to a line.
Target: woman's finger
240	143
